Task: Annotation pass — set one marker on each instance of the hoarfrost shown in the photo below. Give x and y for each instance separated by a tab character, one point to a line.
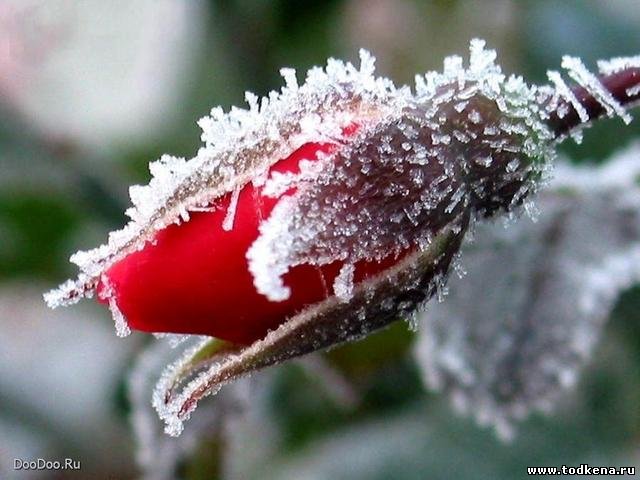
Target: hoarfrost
563	110
516	331
615	65
484	161
577	135
475	117
633	90
122	327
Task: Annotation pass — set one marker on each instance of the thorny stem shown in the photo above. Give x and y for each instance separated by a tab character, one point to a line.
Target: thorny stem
618	84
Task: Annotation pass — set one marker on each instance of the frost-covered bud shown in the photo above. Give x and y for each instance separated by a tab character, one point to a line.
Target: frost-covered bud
319	214
324	195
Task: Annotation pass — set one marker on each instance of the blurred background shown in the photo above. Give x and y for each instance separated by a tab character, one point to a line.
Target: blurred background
91	91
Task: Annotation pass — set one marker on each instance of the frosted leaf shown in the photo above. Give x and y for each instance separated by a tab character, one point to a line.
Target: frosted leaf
379	177
158	456
514	333
577	71
209	364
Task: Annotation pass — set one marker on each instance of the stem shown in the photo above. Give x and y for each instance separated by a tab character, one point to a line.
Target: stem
617	84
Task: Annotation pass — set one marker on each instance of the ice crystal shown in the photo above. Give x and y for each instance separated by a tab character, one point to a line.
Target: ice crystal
227	223
503	347
120	322
343	284
618	64
632	91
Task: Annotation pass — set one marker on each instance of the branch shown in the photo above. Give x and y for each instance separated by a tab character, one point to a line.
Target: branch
622	85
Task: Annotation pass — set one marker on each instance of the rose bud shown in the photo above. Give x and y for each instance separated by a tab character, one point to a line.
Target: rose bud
321	213
195	278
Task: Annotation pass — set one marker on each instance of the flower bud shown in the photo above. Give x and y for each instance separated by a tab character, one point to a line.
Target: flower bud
319	214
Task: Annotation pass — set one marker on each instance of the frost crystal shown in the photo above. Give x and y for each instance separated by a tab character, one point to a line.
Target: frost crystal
618	64
343	284
514	344
632	91
227	223
122	327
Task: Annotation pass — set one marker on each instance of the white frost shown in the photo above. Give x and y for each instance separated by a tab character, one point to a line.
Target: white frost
227	223
122	327
615	65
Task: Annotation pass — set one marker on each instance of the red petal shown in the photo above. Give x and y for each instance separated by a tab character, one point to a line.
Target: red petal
194	278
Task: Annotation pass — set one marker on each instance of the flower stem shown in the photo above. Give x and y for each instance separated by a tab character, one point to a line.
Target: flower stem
620	84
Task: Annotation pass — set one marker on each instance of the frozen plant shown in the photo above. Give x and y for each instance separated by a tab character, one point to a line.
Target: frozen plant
518	327
329	209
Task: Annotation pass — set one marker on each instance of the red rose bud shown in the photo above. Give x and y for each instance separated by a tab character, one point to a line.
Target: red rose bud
327	210
194	277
